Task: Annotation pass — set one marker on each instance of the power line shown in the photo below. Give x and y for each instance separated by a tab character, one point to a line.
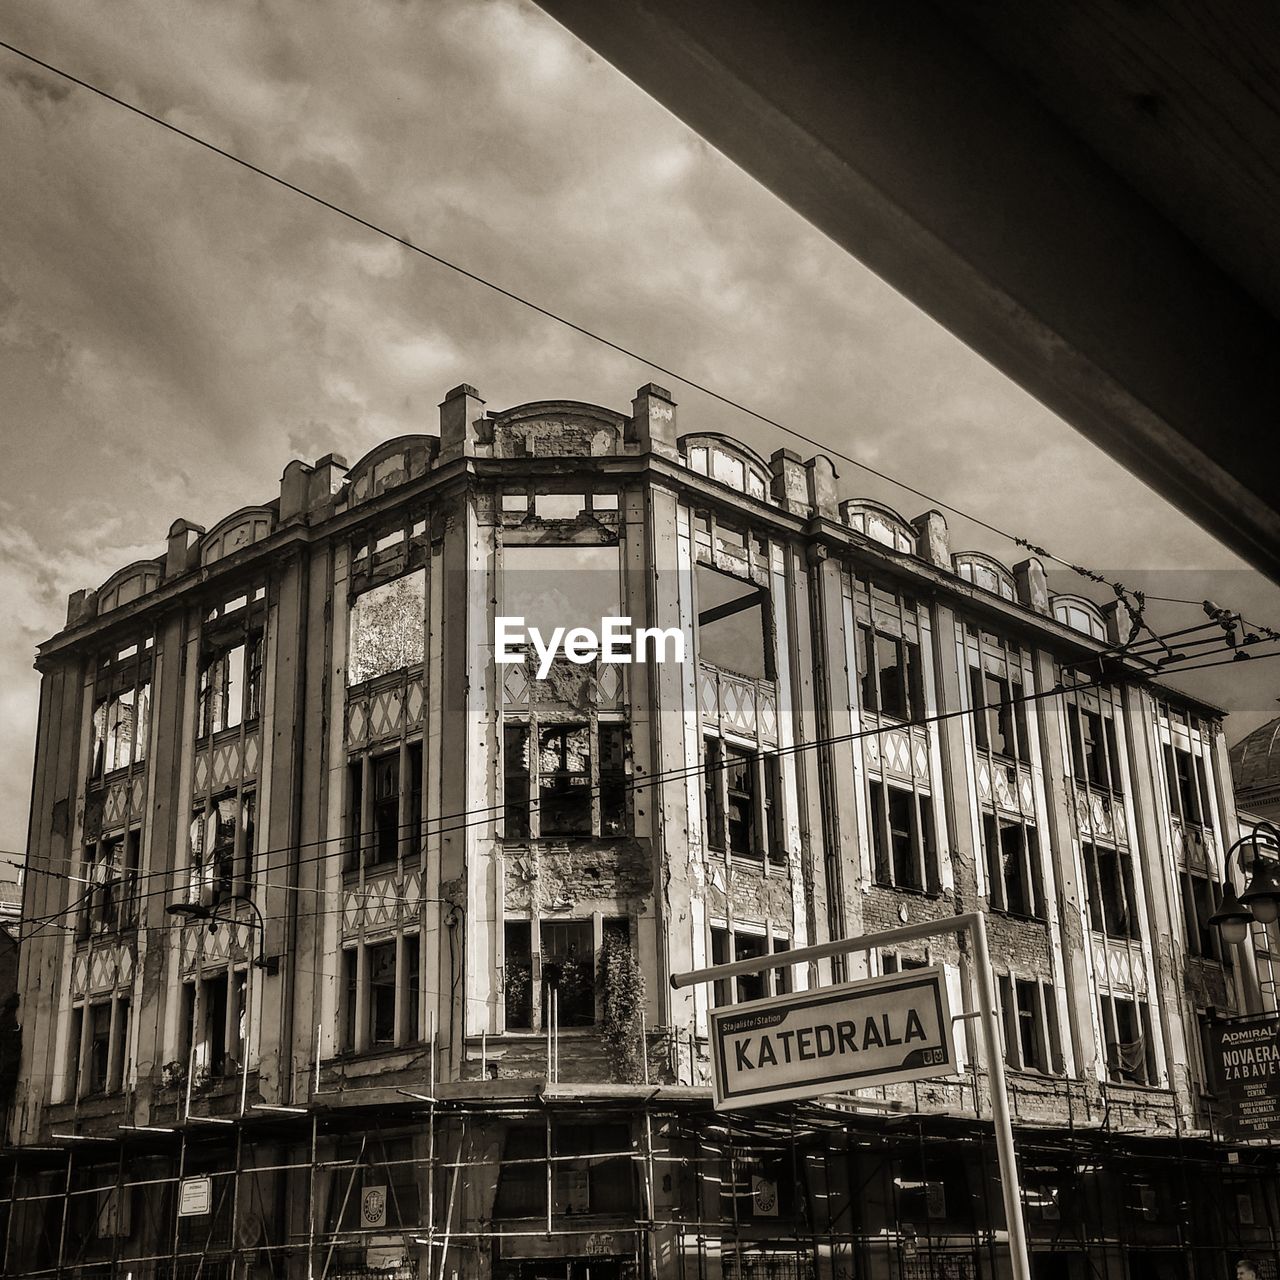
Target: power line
488	813
667	371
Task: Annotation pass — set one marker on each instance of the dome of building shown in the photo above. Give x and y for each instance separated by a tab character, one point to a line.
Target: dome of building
1255	770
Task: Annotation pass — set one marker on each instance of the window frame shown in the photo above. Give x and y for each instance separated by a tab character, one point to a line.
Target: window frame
123	670
611	813
1124	880
1031	858
358	987
920	831
1028	1010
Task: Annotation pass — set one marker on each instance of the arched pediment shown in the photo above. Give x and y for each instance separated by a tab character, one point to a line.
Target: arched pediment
728	461
391	464
126	584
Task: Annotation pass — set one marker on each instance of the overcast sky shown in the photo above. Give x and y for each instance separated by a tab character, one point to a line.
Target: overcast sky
174	329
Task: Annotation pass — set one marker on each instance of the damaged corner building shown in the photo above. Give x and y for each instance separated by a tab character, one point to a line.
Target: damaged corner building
357	942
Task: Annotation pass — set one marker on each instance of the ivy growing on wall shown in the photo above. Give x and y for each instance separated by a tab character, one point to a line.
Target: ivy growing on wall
623	999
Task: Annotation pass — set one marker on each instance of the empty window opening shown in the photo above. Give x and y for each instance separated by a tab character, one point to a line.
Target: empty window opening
1130	1048
1095	755
889	670
1029	1018
568	972
999	715
905	853
1013	867
734	632
1188	786
561	586
742	944
581	791
1113	902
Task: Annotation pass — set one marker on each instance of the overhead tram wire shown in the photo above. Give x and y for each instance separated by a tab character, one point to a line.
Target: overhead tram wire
483	815
1132	600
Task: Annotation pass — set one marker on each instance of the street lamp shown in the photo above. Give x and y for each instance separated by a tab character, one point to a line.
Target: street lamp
208	911
1261	899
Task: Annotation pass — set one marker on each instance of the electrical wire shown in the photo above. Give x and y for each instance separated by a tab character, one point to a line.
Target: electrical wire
482	815
476	278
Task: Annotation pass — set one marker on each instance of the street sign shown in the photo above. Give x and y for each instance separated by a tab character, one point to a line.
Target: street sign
831	1039
1247	1058
195	1197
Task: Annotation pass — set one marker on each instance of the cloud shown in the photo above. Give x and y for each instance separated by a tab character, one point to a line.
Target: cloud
174	328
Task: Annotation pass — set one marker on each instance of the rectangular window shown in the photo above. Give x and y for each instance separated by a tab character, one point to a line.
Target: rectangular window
579	775
1029	1017
1013	867
386	809
350	996
712	791
355	811
517	974
1113	902
98	1048
743	945
381	962
906	856
1094	754
569	970
412	826
515	761
216	994
734	628
412	945
1130	1048
1198	905
740	804
221	696
890	674
1188	786
120	725
216	841
388	627
615	812
564	780
999	715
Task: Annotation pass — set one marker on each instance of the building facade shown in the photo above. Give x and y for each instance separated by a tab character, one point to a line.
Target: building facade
412	1015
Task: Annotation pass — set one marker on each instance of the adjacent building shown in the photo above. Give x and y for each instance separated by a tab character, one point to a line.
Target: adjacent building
412	1015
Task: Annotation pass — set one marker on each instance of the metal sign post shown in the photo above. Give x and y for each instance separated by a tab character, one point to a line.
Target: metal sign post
766	1036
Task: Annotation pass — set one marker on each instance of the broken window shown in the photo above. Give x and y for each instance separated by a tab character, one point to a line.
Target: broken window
1129	1045
98	1048
561	586
741	799
381	962
213	844
1094	754
1188	785
387	628
1013	866
906	854
517	974
744	944
580	791
216	1022
1198	905
122	711
734	632
99	1063
889	668
1029	1018
384	816
230	687
564	780
568	971
1000	715
1113	903
380	1002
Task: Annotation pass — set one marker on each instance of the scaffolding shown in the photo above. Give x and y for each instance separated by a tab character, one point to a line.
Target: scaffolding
346	1188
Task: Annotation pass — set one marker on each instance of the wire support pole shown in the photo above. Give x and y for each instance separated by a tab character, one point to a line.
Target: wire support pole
973	926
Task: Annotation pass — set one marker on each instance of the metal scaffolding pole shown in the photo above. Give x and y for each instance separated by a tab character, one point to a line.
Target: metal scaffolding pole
973	926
